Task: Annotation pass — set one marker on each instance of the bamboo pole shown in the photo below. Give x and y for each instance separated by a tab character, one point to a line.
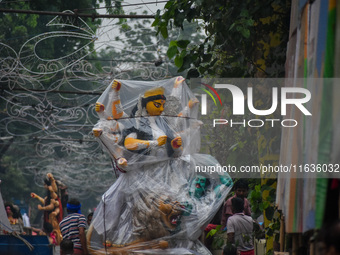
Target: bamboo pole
282	234
295	245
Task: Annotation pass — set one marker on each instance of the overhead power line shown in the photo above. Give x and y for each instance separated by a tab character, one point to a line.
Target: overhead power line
82	15
12	2
54	91
126	5
65	139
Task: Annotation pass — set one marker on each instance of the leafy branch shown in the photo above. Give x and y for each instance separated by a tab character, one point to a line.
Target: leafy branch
237	35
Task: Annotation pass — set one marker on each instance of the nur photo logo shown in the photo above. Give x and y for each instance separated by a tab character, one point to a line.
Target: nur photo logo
204	98
243	100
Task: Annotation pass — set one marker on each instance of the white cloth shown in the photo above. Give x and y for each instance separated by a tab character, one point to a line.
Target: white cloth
26	220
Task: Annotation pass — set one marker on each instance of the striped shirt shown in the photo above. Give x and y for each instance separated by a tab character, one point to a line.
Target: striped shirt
69	228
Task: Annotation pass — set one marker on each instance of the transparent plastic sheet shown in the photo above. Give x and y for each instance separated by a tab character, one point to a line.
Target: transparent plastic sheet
159	201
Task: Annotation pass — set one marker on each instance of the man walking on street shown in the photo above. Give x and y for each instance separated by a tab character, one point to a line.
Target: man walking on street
240	228
241	190
73	227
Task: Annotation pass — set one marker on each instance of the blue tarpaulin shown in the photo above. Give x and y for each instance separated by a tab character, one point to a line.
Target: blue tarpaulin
11	245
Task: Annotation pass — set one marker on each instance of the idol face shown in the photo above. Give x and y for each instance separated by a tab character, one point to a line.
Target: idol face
155	107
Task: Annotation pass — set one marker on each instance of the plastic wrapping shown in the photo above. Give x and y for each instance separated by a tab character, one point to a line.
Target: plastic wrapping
160	203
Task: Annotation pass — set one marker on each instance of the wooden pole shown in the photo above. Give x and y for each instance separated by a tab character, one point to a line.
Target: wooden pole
282	234
295	245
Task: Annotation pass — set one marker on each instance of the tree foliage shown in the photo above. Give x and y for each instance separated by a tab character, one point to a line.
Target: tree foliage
238	35
139	43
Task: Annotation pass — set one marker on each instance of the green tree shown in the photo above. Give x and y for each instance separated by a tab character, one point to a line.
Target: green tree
238	35
139	45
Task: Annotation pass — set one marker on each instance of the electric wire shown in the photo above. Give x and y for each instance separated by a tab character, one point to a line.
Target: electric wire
125	5
12	2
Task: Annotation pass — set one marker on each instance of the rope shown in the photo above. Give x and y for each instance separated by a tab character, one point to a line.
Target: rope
4	225
29	245
105	227
15	234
